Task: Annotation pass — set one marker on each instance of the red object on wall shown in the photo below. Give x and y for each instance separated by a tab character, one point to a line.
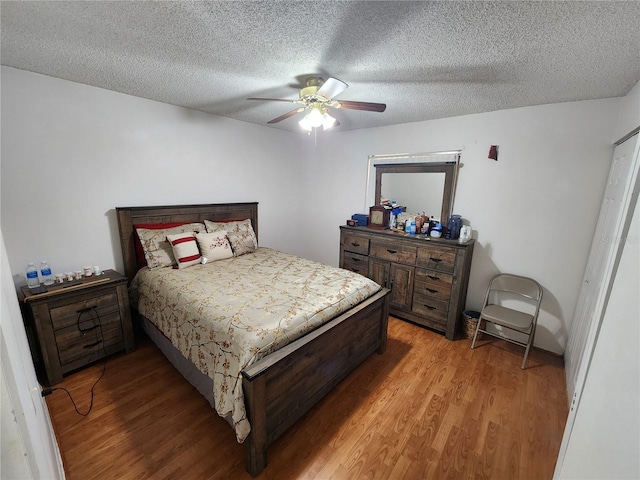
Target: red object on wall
493	152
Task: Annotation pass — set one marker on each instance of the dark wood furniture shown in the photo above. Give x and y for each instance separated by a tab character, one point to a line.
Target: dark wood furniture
76	323
284	385
428	278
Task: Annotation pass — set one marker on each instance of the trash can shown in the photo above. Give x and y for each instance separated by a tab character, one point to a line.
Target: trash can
470	323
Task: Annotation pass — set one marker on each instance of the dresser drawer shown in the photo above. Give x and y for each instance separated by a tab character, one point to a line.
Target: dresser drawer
433	284
442	259
433	308
354	243
67	315
356	263
393	252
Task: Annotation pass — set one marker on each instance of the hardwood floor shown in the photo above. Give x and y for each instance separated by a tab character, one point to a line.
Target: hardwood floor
428	408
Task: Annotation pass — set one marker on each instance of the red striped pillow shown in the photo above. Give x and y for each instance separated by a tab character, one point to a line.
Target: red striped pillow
185	249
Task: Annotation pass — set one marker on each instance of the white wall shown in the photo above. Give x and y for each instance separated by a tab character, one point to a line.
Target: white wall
533	211
605	439
72	153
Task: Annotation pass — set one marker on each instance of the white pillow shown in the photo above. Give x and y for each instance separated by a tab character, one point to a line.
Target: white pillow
185	249
240	233
214	246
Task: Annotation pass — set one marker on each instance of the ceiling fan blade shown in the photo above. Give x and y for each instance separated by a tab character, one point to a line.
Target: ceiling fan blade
365	106
332	87
286	115
274	99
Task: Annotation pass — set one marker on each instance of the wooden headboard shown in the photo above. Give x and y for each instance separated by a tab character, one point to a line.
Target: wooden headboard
219	212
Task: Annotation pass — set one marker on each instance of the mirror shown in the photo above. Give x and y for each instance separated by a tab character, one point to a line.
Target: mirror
419	187
419	181
417	192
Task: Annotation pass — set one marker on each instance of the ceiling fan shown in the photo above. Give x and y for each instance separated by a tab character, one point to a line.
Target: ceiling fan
317	97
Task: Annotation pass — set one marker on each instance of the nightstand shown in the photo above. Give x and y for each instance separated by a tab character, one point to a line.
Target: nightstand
77	323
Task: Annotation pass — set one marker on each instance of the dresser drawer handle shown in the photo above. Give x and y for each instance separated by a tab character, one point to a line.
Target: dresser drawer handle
95	317
429	307
435	259
392	251
356	259
431	290
355	244
91	345
433	277
85	330
85	310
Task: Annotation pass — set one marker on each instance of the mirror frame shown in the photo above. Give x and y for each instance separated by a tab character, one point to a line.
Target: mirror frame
448	168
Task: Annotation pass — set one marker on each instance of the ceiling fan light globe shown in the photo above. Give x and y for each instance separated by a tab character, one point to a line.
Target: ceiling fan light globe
304	124
315	118
327	121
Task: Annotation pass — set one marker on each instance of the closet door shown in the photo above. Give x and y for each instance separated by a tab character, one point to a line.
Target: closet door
603	257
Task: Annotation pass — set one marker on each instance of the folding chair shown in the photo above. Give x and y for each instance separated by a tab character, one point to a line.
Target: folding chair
514	291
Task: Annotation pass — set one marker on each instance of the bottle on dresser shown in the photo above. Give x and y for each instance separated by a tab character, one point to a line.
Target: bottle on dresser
32	276
45	273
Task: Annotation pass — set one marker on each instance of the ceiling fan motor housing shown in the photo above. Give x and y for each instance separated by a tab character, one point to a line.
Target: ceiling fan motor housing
308	93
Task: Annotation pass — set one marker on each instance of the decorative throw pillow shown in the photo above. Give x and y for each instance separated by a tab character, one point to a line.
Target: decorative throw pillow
240	233
157	251
214	246
185	249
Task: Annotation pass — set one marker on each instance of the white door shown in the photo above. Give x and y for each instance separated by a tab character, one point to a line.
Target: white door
605	252
620	197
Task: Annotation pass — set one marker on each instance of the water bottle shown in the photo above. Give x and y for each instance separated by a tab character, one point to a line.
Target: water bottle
32	276
45	273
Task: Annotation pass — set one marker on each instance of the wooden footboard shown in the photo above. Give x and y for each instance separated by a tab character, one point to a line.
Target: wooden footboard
282	387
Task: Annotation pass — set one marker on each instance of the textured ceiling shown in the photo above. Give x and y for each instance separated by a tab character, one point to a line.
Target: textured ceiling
425	60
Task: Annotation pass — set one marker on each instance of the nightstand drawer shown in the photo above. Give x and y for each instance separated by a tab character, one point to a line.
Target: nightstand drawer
77	347
354	243
393	252
356	263
82	307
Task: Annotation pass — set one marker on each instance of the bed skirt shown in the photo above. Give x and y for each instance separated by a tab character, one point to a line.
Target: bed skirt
188	370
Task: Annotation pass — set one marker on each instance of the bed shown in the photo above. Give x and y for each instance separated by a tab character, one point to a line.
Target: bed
281	386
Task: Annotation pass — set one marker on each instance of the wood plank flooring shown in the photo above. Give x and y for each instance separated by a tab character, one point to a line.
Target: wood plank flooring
426	409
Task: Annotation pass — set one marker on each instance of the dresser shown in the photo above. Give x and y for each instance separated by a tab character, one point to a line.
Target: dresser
427	277
76	323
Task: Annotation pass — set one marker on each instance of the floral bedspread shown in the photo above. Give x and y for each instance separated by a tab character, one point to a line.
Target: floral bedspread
224	316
